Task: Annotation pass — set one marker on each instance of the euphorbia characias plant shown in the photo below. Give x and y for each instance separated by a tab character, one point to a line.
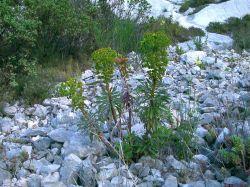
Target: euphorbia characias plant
154	54
104	59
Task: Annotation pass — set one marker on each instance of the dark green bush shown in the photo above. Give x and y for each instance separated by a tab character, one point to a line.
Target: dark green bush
173	30
238	28
199	4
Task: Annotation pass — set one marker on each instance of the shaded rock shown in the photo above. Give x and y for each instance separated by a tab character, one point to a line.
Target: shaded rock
87	173
40	111
107	172
82	147
175	164
234	181
9	110
40	131
41	143
50	179
120	181
150	162
6	124
70	168
170	181
105	183
34	180
61	135
4	174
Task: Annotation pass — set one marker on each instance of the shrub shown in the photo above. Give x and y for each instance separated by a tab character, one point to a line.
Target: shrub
173	30
236	153
135	147
238	28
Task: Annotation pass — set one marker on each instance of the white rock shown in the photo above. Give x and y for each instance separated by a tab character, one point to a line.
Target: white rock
191	57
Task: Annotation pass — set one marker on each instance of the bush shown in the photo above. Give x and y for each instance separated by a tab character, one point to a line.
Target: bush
235	153
199	4
135	147
173	30
238	28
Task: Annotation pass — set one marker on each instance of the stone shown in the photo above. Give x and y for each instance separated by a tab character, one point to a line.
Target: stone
105	183
55	184
208	118
13	153
175	164
9	110
234	181
157	181
209	175
48	169
244	83
107	172
82	147
20	119
4	174
201	132
150	162
200	158
60	102
40	131
66	118
212	183
122	182
145	184
139	170
50	179
224	133
215	74
27	149
34	180
40	111
170	181
87	173
6	124
191	57
41	143
61	135
70	168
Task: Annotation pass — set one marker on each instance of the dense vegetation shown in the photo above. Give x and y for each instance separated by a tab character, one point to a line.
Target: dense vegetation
197	4
238	28
44	42
153	109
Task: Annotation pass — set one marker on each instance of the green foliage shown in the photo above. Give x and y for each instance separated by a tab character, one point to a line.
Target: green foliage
121	31
104	59
154	55
173	30
153	48
179	50
239	28
62	27
198	43
236	153
200	64
211	136
18	36
135	147
74	90
197	3
182	144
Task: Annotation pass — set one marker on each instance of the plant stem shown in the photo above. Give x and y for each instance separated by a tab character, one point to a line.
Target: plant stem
111	103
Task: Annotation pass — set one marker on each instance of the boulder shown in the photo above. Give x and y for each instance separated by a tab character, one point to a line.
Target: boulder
70	168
